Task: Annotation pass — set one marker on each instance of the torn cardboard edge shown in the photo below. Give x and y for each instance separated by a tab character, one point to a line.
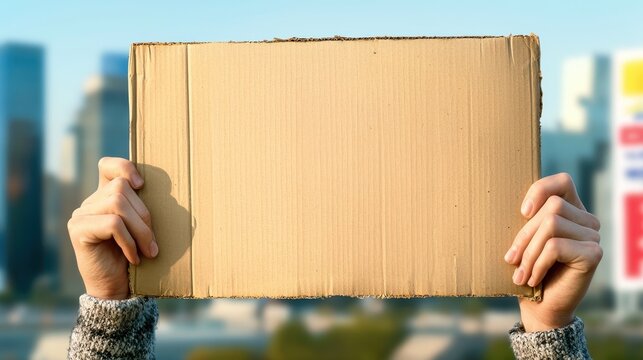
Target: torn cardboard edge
340	38
536	293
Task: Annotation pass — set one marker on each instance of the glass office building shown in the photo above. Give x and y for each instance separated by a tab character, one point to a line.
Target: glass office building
21	139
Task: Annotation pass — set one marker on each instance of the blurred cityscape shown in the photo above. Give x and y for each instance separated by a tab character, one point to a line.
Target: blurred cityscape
40	285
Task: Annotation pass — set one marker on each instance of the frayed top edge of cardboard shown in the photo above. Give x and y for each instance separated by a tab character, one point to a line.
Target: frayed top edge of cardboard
341	38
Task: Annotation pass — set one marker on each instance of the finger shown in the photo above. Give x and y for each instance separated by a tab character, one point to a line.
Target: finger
554	205
93	229
560	184
551	227
122	186
110	168
582	255
117	204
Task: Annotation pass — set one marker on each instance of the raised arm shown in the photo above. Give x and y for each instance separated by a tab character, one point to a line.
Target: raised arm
558	247
110	229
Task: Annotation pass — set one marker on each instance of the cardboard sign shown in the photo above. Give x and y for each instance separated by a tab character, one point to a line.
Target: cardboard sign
389	167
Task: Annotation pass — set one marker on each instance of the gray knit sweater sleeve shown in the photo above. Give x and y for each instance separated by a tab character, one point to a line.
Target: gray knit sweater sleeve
564	343
114	329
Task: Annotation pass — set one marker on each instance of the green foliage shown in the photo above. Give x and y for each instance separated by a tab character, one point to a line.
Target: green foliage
362	338
499	349
43	297
7	297
292	341
473	306
614	348
219	353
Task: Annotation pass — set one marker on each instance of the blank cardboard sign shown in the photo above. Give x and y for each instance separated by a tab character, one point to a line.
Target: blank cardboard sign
389	167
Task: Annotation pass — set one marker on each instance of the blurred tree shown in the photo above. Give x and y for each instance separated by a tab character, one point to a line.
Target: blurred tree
473	306
611	348
363	338
499	349
292	341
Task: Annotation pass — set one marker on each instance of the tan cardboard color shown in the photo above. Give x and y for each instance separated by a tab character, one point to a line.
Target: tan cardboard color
389	167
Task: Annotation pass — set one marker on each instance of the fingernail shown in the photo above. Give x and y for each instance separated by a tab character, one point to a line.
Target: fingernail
518	274
530	282
138	181
154	249
509	256
526	207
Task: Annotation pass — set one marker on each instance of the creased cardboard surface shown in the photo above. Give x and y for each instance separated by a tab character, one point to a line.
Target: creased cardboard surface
384	167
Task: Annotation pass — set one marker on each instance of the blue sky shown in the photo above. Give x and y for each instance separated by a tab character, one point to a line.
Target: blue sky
76	33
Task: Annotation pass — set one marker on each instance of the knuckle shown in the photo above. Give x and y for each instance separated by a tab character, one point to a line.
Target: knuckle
594	236
117	202
550	223
114	223
129	166
527	256
146	215
596	223
119	185
124	165
596	253
71	230
566	178
553	245
538	269
538	187
102	162
148	236
555	204
522	236
71	224
599	253
540	266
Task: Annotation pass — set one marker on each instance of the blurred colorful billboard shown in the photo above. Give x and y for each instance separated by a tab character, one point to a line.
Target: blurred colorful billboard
627	132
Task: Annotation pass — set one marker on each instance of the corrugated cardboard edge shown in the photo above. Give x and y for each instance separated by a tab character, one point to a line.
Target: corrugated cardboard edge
537	100
131	88
534	47
355	296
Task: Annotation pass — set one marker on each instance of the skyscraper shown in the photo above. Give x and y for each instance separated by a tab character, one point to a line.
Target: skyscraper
585	97
579	145
103	121
21	134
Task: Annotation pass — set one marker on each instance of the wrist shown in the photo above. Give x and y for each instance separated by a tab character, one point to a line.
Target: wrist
107	295
533	321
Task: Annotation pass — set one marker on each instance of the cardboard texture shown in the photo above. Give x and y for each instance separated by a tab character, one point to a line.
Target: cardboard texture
389	167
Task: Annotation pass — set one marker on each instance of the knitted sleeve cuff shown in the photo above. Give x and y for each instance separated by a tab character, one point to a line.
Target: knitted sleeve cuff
114	328
567	342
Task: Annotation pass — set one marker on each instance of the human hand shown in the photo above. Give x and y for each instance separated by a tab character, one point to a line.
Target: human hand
111	227
559	246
